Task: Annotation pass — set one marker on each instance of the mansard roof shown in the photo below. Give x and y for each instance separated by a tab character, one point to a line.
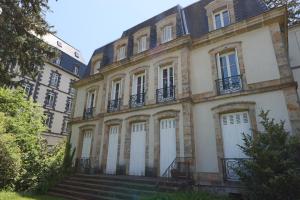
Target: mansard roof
191	20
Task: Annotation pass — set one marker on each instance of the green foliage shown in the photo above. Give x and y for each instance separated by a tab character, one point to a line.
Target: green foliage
185	196
10	158
293	7
23	121
273	170
19	196
18	21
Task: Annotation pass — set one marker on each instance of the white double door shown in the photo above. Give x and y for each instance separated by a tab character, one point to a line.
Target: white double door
112	156
86	144
137	149
167	143
233	127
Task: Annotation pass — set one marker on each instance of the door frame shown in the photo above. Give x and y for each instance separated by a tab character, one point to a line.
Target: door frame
80	140
232	107
157	117
127	144
108	124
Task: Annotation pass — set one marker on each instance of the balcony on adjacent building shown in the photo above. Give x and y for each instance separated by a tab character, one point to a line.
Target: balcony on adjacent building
88	113
114	105
229	85
165	94
137	100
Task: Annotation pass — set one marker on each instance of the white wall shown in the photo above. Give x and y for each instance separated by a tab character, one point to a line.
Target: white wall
258	54
205	136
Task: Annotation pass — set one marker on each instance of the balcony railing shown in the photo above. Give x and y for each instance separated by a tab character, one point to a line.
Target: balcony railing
165	94
229	85
88	165
88	113
137	100
114	105
230	167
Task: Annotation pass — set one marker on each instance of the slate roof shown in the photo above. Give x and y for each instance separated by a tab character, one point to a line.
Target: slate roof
196	23
68	63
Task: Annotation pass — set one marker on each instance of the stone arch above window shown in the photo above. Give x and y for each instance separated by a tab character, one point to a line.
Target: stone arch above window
138	71
117	77
217	6
123	42
113	122
144	32
96	63
172	61
167	21
225	48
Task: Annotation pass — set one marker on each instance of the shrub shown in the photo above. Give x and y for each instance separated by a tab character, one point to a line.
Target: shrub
10	162
39	166
273	170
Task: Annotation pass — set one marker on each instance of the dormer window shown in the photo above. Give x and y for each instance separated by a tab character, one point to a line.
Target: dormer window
167	34
121	52
142	44
76	70
221	19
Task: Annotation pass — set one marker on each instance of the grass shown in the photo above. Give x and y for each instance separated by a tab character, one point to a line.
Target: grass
19	196
185	196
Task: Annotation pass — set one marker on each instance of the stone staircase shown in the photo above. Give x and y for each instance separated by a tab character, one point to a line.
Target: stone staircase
104	187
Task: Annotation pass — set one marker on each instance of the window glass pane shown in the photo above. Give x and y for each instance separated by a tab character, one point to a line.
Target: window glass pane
171	76
226	19
218	21
223	66
117	88
165	78
233	65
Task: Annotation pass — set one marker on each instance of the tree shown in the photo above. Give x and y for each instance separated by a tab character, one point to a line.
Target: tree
21	125
273	170
293	7
21	21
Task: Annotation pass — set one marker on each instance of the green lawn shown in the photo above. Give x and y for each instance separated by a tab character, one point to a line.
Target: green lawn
186	196
17	196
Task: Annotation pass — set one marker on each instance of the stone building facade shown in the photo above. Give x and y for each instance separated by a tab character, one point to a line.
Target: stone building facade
52	88
185	84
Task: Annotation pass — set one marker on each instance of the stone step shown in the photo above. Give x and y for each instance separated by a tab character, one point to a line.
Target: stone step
93	187
64	196
133	179
88	195
86	187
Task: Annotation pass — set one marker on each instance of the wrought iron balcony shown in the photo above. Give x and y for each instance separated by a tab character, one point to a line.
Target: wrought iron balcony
229	85
137	100
230	167
165	94
88	113
89	165
114	105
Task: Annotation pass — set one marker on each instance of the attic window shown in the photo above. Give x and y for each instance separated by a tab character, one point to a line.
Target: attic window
76	54
59	44
221	19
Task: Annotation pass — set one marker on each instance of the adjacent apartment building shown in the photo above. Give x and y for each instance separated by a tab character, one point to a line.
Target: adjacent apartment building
52	88
185	84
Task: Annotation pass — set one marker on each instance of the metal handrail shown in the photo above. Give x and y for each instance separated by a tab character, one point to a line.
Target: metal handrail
229	85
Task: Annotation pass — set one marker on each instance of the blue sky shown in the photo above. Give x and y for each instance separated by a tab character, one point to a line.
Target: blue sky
89	24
